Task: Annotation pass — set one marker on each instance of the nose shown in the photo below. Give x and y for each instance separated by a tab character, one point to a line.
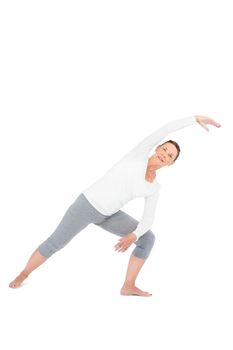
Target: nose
163	157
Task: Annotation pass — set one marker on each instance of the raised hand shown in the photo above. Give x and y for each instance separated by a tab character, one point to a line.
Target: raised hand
203	121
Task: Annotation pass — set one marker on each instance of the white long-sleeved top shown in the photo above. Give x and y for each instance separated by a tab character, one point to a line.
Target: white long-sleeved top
126	179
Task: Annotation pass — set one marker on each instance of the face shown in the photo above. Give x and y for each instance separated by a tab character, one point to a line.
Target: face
164	155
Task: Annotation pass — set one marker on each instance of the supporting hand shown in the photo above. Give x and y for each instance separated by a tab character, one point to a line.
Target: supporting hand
125	242
203	121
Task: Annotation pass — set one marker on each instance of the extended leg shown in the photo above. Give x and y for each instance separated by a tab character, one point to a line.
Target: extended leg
35	260
76	218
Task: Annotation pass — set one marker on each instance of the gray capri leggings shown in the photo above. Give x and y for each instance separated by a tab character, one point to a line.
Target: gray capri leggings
82	213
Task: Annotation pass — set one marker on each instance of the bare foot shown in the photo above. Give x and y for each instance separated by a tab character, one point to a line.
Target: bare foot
18	280
133	290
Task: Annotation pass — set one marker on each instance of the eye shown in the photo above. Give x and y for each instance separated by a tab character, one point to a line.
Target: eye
170	155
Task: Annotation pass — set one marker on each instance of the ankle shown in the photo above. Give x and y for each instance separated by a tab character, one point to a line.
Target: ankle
129	284
25	273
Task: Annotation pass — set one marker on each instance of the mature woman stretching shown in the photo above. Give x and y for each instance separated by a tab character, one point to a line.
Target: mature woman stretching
133	176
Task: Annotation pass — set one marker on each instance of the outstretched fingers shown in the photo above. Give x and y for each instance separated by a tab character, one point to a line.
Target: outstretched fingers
204	121
214	123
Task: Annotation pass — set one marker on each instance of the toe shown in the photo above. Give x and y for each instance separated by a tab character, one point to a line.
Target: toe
147	294
12	285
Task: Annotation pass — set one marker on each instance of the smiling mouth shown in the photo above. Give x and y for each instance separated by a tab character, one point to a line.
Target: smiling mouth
161	159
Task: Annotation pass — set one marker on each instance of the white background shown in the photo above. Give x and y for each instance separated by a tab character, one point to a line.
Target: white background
82	82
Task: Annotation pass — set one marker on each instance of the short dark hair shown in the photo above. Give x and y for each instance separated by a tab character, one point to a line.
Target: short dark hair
176	145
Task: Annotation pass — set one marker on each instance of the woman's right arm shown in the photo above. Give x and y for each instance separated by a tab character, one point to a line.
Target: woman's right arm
203	121
142	149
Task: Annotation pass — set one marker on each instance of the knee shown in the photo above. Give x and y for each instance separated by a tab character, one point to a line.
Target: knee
144	245
149	238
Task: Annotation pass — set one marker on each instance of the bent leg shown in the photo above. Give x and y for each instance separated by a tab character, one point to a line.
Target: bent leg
121	224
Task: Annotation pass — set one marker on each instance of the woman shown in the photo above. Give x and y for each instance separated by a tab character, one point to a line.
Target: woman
133	176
